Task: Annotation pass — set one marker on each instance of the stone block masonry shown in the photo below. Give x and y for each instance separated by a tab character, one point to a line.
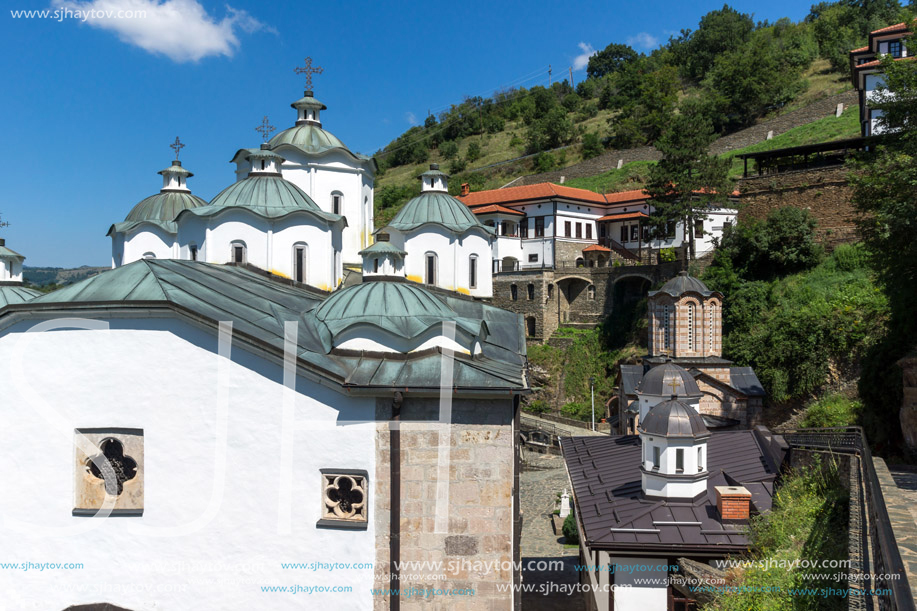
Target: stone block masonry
825	192
472	546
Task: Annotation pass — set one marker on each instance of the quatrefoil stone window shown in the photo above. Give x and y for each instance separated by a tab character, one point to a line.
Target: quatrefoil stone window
108	471
344	498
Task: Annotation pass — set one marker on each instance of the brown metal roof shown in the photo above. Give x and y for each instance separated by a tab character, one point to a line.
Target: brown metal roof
605	475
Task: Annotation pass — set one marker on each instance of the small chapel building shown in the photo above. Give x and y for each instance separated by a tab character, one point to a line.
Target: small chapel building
685	360
444	245
11	284
672	490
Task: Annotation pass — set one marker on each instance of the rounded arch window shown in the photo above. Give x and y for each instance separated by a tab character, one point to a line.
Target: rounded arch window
590	292
300	261
239	252
431	268
337	202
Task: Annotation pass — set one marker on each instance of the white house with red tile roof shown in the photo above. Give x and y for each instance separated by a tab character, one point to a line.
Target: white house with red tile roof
866	69
547	225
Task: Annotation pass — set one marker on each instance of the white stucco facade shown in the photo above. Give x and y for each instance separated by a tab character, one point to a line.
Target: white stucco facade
232	482
10	269
453	259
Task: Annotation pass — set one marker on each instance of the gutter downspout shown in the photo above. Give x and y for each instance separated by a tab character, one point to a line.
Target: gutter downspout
395	502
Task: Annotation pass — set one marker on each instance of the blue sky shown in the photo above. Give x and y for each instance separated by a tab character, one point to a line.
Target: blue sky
90	107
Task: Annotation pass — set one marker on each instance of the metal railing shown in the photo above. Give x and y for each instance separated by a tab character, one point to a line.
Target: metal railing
881	537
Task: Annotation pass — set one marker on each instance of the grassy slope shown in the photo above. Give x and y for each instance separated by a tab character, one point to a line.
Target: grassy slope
496	147
633	175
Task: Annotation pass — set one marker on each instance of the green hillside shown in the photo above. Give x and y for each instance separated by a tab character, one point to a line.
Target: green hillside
731	70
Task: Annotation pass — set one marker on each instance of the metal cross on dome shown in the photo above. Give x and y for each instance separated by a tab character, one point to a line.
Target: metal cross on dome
308	70
675	386
265	128
176	146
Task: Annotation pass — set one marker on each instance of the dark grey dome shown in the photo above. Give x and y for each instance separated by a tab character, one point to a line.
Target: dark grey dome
683	283
668	380
673	418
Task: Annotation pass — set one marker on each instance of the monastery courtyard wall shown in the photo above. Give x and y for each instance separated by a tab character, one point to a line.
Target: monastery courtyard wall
477	539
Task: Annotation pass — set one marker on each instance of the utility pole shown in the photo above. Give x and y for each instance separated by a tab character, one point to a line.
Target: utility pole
571	77
549	75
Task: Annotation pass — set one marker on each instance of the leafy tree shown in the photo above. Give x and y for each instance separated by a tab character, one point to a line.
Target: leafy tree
719	32
757	76
884	193
544	162
474	151
841	26
687	179
429	122
646	96
458	165
609	60
782	244
449	149
552	130
592	145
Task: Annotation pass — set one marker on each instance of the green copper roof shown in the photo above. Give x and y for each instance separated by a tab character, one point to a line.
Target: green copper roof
176	168
382	248
308	137
434	171
16	294
307	101
437	208
400	308
160	210
259	306
10	254
267	196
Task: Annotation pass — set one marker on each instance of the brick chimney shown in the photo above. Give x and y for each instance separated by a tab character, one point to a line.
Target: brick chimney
732	502
466	189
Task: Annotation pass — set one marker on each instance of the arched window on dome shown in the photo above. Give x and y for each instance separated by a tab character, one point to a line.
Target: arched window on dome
337	202
473	272
239	252
692	342
712	330
300	262
431	268
666	327
146	255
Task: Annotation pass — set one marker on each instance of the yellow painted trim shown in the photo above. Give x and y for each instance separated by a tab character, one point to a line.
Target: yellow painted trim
417	279
463	291
276	273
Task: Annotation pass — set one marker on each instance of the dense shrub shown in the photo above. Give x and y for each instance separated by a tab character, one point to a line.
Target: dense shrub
571	533
832	410
592	145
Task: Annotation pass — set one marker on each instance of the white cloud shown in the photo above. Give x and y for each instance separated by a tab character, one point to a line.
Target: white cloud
410	118
582	60
643	41
182	30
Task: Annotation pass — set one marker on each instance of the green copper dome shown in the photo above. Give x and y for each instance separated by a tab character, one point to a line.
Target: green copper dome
268	196
308	137
160	210
10	295
436	208
400	308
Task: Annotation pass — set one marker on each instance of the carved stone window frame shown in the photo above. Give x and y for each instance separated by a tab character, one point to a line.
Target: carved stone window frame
89	490
328	519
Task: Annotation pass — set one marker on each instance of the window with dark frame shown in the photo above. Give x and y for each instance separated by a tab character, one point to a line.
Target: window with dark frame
539	227
679	460
588	231
336	203
513	292
473	272
568	229
238	253
894	48
579	230
530	290
431	269
524	228
193	252
623	233
299	264
533	258
656	458
635	233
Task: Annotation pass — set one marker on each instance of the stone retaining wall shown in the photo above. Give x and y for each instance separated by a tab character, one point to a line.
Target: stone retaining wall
825	192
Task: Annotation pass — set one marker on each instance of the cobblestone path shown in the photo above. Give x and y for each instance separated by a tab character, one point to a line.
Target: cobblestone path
543	476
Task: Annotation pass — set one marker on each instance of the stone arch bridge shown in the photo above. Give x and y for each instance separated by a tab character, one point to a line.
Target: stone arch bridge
575	296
